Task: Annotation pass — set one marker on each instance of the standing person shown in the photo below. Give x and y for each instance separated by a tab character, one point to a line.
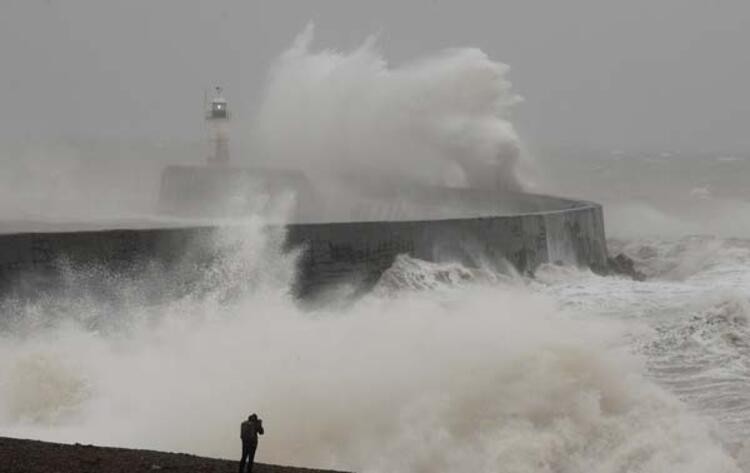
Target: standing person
249	431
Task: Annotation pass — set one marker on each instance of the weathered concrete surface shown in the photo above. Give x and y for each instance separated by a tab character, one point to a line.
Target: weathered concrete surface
34	263
360	252
332	253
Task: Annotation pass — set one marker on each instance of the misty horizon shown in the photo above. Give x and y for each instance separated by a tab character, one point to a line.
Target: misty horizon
635	76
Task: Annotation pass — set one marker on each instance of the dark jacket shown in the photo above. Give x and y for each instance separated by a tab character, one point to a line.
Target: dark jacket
250	430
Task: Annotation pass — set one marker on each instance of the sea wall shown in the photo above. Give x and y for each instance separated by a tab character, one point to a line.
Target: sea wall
33	264
331	253
359	252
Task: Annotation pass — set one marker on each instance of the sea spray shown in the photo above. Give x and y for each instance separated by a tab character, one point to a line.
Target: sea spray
441	118
476	373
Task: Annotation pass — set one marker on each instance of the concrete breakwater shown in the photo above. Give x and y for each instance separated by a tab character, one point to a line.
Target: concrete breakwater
543	229
364	250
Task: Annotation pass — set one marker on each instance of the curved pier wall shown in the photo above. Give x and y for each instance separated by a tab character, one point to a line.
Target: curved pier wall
332	253
39	262
360	252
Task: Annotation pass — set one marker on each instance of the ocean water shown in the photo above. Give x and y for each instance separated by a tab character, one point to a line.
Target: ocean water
440	367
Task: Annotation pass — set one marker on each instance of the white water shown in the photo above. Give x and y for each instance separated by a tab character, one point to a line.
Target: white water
441	118
441	368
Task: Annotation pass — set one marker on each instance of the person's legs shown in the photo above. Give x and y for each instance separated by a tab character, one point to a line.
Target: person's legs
251	457
245	454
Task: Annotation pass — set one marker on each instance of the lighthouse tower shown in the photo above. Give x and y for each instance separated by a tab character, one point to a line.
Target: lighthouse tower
217	119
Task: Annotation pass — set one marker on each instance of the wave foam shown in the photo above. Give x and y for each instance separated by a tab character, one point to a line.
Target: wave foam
442	118
486	376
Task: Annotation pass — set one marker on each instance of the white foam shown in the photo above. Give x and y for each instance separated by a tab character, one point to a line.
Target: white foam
469	374
439	118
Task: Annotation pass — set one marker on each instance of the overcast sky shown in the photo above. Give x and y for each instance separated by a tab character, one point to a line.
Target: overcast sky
656	74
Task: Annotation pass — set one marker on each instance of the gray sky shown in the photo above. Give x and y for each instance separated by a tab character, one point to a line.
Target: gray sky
658	74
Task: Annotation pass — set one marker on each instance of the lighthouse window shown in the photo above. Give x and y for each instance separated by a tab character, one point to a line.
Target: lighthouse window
219	110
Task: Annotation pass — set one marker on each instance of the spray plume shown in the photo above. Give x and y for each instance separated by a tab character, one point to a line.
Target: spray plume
440	119
469	373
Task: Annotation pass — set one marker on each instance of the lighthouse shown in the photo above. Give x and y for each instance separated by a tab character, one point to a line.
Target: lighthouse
217	120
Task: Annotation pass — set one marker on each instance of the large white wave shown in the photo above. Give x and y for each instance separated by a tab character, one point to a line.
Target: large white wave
441	118
468	372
